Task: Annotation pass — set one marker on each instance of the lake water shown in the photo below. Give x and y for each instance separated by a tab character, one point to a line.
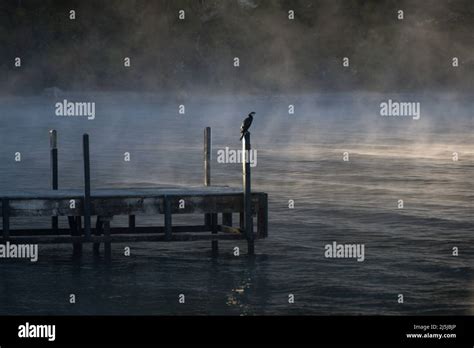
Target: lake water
408	251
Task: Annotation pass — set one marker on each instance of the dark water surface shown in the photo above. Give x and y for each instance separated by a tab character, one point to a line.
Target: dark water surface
407	251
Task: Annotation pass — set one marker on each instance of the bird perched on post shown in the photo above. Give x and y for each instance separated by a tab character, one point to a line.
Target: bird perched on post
246	124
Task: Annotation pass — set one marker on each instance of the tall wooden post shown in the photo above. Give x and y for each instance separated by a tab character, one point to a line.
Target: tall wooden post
87	187
248	219
207	166
209	219
53	141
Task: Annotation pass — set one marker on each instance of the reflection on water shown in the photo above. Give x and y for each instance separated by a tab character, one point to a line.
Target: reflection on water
408	250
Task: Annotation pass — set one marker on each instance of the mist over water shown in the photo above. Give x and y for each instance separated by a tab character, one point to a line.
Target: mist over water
407	251
277	55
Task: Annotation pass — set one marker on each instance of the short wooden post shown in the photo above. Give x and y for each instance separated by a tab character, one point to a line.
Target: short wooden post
168	221
207	166
248	219
5	218
87	187
53	140
98	232
107	238
215	243
131	223
76	246
227	219
79	224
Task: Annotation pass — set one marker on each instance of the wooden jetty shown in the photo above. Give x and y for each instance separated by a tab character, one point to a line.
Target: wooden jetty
81	205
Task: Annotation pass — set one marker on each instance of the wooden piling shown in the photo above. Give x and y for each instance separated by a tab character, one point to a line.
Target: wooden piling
209	219
214	243
167	218
248	219
6	218
107	238
87	187
207	166
98	232
131	223
226	222
75	232
53	138
227	219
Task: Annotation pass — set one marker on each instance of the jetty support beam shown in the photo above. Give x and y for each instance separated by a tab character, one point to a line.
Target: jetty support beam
75	226
207	167
167	218
214	243
131	223
107	237
87	187
227	219
98	231
210	219
248	218
53	140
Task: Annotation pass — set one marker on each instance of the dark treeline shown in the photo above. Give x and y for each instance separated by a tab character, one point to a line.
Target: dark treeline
276	55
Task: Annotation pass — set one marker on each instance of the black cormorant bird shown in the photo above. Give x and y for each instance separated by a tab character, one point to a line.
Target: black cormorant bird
246	124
